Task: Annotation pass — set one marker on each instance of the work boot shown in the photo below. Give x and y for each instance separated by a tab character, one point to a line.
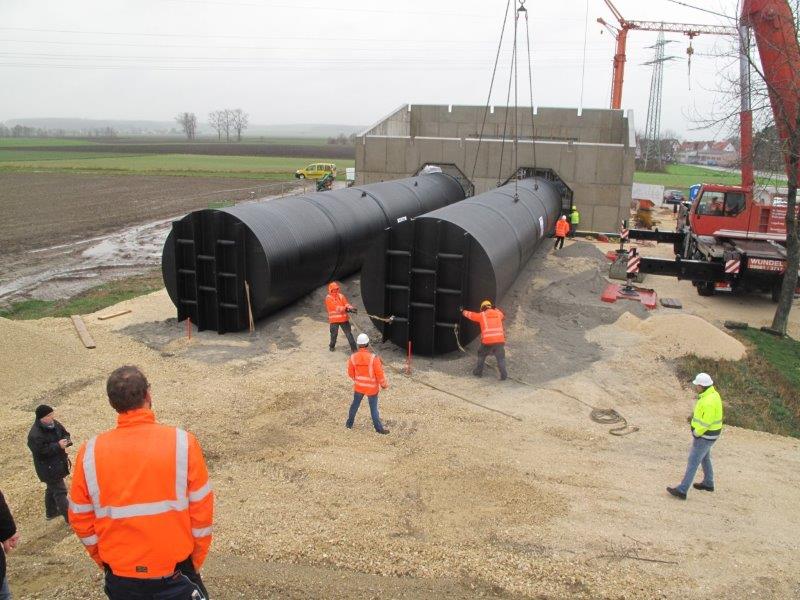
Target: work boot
478	373
384	432
677	493
703	486
331	348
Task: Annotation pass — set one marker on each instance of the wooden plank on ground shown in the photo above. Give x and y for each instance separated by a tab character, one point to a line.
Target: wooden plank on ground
112	315
83	332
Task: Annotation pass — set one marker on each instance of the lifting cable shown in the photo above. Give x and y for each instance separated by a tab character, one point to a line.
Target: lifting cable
530	88
491	85
604	416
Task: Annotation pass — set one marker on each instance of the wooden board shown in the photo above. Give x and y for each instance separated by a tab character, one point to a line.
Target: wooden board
83	333
112	315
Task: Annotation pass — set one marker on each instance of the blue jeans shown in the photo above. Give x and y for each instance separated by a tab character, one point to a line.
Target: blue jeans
373	410
700	454
5	593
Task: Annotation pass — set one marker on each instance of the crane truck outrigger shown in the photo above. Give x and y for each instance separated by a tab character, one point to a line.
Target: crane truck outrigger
727	239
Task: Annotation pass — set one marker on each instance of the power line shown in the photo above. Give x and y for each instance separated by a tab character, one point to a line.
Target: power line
705	10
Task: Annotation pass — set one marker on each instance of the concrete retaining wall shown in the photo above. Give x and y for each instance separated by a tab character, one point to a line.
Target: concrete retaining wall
591	152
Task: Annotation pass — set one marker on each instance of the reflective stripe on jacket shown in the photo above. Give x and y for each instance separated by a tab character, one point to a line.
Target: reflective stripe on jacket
707	417
491	322
337	306
562	228
574	217
141	500
366	371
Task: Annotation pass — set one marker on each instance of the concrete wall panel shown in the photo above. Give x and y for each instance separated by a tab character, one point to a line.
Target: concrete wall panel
375	154
396	155
609	165
586	163
605	218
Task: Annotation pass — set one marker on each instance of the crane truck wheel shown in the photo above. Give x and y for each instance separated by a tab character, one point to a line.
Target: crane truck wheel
705	288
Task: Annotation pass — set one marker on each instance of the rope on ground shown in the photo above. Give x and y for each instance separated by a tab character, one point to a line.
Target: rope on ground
438	389
604	416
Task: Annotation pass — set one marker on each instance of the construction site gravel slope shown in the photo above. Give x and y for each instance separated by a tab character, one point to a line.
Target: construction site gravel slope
482	489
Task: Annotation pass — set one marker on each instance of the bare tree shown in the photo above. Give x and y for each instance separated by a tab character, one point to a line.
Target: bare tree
227	123
216	119
239	122
188	122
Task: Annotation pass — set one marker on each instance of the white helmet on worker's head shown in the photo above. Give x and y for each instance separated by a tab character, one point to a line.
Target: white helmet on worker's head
703	379
362	339
563	217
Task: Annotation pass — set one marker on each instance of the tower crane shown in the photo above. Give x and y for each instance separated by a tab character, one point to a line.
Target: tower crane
620	34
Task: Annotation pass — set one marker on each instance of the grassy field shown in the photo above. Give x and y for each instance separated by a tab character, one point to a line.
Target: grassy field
248	167
88	302
762	391
680	177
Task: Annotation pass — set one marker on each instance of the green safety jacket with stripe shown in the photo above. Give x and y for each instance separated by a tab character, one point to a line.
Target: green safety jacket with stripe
707	417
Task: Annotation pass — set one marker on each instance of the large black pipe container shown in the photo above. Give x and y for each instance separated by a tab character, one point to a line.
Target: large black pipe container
421	271
284	248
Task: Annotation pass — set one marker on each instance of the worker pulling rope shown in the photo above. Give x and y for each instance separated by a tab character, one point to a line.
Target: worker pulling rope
436	388
604	416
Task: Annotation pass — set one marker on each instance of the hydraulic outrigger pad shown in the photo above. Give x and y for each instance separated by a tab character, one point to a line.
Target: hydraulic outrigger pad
616	291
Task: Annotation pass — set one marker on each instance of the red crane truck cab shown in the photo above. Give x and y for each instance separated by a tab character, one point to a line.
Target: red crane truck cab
731	212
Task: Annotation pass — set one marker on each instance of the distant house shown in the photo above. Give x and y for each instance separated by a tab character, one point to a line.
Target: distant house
723	154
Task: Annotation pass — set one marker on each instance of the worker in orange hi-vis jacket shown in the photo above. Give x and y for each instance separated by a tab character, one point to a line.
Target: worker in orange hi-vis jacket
338	311
562	231
493	338
366	371
141	501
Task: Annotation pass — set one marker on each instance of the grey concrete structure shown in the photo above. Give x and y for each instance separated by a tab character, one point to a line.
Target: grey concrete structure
592	152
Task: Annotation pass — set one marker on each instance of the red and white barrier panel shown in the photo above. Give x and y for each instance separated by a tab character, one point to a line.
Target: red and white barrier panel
733	265
633	263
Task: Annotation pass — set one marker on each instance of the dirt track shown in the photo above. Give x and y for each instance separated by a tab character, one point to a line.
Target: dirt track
458	502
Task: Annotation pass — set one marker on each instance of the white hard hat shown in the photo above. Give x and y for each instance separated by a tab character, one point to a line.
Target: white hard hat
563	217
362	339
703	379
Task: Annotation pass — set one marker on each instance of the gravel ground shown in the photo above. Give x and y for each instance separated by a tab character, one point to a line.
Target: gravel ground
458	501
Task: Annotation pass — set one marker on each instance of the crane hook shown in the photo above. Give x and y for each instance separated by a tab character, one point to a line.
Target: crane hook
689	53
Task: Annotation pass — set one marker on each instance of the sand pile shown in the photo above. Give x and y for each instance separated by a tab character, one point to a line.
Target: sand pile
670	335
32	347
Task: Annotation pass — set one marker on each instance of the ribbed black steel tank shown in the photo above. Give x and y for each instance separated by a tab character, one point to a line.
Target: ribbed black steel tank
421	271
284	248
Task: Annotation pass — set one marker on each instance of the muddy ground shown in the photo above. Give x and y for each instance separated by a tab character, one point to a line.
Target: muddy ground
482	489
62	233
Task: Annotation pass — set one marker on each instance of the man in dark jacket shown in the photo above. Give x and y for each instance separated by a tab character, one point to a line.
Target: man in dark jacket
8	538
48	441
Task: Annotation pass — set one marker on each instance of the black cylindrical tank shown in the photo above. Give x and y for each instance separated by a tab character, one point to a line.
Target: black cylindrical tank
284	248
421	271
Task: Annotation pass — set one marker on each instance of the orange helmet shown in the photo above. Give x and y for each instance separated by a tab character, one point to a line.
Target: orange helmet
333	287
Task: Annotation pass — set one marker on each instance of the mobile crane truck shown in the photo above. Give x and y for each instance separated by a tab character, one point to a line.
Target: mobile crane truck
727	239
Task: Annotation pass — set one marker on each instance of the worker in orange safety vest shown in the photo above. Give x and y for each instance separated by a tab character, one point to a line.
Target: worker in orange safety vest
141	501
338	310
493	339
366	371
562	230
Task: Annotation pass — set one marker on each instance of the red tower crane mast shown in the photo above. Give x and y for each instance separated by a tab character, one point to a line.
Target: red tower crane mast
620	33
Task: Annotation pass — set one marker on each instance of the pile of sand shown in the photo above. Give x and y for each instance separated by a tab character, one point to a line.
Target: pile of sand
42	358
674	334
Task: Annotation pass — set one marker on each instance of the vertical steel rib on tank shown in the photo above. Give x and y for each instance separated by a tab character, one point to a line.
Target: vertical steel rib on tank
284	248
422	270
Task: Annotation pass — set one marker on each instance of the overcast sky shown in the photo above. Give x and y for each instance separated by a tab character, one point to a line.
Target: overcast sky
336	61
